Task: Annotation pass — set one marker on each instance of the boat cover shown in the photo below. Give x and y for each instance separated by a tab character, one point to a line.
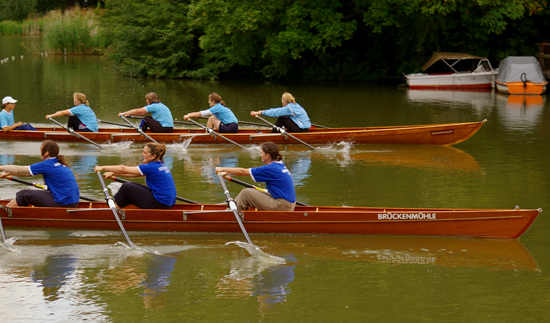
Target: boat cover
436	56
511	68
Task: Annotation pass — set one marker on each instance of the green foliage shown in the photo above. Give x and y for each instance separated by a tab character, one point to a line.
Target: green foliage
16	9
31	27
320	40
72	32
150	37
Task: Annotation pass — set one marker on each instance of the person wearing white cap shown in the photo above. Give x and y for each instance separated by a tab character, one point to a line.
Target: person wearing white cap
7	121
81	117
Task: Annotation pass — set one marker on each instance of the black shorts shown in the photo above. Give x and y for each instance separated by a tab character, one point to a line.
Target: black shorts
138	195
38	198
154	125
229	128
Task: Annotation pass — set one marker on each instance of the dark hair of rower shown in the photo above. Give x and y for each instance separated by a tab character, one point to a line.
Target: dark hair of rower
156	149
216	98
152	97
272	150
52	148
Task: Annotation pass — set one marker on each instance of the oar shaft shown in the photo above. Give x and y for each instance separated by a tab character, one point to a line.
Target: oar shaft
112	205
114	123
72	132
121	180
233	207
138	129
175	121
284	132
245	184
2	231
215	133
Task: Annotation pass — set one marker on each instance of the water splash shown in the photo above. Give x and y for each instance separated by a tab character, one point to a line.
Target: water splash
114	187
8	245
180	146
343	147
256	252
118	146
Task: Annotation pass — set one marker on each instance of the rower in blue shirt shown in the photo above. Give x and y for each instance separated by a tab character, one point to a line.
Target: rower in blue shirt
291	115
160	192
160	121
81	117
7	120
221	117
277	178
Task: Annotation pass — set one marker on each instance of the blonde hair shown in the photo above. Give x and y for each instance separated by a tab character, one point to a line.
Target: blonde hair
81	98
288	98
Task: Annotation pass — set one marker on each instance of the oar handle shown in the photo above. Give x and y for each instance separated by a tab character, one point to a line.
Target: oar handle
233	206
183	199
284	132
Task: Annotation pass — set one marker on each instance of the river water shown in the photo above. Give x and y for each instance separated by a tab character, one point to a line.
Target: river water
66	275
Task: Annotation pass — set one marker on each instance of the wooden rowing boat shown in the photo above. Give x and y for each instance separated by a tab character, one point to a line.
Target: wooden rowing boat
436	134
479	223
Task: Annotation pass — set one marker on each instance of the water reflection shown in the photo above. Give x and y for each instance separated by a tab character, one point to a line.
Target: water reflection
255	277
520	112
53	274
477	100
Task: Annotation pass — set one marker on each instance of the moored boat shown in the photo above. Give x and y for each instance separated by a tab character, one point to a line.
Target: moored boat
478	223
520	75
435	134
453	70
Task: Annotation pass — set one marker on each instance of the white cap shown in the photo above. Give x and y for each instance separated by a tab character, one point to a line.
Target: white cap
8	99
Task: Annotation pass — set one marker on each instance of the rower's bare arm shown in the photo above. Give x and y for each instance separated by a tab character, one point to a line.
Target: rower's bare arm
119	170
134	112
59	114
238	171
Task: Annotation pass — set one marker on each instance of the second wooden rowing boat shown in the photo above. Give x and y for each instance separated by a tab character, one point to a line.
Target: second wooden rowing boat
436	134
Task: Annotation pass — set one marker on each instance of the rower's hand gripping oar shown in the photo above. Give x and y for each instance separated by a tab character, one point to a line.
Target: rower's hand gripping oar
212	132
245	184
138	129
74	133
121	180
112	205
284	132
233	206
11	178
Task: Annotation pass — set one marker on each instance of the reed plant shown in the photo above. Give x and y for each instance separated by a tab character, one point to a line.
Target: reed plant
72	31
29	27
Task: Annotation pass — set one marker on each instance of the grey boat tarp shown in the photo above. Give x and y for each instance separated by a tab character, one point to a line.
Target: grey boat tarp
511	68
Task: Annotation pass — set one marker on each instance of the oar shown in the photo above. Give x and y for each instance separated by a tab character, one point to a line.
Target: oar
319	126
120	180
138	129
11	178
74	133
114	123
233	206
212	132
112	205
243	122
2	231
284	132
245	184
175	121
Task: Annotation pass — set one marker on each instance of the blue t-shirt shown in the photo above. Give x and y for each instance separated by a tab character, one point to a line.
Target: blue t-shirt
160	181
223	113
161	113
6	119
60	180
294	110
277	180
86	116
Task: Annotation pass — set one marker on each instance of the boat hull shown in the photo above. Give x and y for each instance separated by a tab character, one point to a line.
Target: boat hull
452	81
437	134
478	223
520	88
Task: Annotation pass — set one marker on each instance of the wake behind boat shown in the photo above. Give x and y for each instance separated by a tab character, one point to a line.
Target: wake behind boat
478	223
435	134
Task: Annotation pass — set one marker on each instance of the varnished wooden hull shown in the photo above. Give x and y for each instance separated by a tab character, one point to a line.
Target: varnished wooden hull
437	134
479	223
